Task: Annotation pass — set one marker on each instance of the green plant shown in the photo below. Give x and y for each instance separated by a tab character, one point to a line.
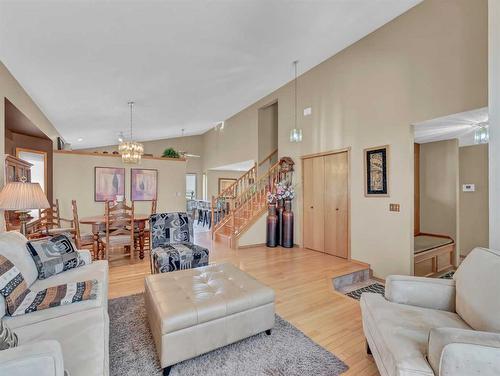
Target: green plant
171	153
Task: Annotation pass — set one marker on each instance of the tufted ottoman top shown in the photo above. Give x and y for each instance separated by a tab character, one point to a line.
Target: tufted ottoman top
190	297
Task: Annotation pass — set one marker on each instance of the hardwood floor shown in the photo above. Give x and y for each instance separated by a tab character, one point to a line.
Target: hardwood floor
302	280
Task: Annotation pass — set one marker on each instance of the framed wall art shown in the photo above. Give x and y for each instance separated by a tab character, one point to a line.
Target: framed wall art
143	184
225	183
109	182
376	171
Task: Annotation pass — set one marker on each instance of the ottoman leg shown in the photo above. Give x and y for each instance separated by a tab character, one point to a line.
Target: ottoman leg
268	332
166	370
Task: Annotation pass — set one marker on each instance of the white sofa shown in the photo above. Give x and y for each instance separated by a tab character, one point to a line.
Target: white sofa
73	337
429	326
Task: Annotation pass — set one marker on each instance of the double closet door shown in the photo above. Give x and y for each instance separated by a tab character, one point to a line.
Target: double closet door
326	203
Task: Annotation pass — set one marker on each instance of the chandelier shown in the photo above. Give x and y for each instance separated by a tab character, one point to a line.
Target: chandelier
295	133
131	150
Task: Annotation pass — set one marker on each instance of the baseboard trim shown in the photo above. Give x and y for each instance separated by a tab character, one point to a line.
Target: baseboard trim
251	245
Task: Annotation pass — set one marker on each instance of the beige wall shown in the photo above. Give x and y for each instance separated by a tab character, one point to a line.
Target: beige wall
439	188
494	119
429	62
74	179
14	92
473	205
267	131
190	144
213	177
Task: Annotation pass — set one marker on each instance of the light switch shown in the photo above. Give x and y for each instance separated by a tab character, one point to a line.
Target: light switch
394	208
469	187
307	111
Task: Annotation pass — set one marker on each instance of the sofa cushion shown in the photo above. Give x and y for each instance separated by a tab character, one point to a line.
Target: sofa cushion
13	247
477	280
97	270
84	339
400	333
54	255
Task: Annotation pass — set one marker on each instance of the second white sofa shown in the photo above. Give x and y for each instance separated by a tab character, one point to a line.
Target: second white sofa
73	337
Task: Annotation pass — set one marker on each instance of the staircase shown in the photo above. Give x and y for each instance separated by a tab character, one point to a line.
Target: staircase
242	203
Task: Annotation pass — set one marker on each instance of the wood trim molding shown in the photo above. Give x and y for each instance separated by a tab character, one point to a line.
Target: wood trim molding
324	153
91	154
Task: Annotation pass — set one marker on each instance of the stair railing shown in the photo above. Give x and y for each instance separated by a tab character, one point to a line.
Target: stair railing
254	200
223	204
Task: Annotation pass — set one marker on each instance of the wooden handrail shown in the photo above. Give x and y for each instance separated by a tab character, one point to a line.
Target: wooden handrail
268	157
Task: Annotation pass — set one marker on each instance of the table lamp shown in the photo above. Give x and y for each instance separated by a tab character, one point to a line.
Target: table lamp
23	197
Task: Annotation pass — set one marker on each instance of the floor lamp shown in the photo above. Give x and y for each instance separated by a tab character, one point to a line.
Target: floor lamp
23	197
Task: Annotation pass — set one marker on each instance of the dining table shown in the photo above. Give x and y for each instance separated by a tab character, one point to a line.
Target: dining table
98	223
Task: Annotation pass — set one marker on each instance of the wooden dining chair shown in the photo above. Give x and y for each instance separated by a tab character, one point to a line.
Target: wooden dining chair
82	240
50	221
119	229
146	234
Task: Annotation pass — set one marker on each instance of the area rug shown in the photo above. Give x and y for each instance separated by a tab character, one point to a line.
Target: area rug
286	352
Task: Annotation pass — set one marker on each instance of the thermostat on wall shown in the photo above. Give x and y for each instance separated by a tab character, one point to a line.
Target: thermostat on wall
469	187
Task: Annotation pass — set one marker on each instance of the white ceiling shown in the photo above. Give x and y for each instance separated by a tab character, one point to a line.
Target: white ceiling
461	126
187	64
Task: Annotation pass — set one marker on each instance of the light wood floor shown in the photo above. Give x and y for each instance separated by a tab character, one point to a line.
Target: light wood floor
302	280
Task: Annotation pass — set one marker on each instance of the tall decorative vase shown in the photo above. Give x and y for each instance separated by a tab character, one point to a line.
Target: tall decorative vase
287	225
279	213
272	226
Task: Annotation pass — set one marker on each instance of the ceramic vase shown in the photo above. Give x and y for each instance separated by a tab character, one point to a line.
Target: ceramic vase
287	225
279	212
272	226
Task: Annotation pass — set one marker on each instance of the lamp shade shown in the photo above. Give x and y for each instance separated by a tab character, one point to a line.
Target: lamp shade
23	196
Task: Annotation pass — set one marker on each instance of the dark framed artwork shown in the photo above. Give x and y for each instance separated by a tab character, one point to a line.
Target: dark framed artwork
109	182
143	184
376	171
225	183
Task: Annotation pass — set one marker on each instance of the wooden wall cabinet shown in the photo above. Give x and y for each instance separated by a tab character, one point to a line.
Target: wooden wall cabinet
326	203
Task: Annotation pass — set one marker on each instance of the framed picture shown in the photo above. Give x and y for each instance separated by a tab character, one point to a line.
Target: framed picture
143	184
109	182
376	171
224	183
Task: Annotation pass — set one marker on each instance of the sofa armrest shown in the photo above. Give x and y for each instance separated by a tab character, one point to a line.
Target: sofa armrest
85	256
42	358
445	349
434	293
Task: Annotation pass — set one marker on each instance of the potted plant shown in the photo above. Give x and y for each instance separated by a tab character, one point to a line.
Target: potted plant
170	153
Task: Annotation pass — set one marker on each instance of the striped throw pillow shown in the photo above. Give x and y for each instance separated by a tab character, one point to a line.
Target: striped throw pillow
8	338
13	287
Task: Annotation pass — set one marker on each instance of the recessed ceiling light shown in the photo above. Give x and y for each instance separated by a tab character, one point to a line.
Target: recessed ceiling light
80	139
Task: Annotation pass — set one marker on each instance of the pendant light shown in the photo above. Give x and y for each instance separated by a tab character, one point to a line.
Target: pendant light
481	134
295	133
131	151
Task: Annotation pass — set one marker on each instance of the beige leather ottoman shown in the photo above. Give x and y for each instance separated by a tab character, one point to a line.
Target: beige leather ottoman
194	311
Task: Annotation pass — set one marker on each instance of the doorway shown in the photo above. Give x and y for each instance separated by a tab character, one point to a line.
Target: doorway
38	159
326	203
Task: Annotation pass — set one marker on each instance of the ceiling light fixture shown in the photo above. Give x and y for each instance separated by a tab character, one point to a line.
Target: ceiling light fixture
482	133
80	139
295	132
131	150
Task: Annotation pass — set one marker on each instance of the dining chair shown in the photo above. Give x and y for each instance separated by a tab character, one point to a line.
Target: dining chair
50	221
146	236
119	229
82	240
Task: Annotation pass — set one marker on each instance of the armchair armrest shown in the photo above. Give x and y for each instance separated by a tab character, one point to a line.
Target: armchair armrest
463	352
85	255
42	358
434	293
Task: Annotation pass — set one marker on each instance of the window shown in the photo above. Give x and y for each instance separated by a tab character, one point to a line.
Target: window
191	186
38	171
205	187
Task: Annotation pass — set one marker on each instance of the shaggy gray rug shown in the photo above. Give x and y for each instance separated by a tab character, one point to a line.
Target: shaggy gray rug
286	352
